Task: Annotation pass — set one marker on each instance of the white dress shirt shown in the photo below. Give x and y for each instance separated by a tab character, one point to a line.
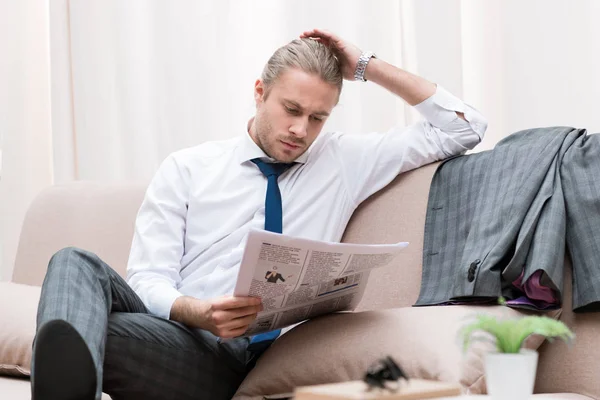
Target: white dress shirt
192	226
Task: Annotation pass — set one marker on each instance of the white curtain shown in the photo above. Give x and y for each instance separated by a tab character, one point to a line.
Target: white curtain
25	127
138	79
151	77
532	63
132	81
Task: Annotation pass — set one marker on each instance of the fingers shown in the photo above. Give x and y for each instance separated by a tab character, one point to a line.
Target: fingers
239	323
232	302
235	327
317	33
231	316
226	318
223	316
317	39
320	34
234	333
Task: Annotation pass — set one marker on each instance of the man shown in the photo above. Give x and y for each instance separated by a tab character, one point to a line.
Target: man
273	277
158	335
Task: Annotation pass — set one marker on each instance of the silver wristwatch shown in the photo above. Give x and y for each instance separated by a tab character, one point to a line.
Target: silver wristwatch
361	65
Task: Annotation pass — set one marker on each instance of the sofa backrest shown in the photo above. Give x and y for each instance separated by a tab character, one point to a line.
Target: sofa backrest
93	216
100	218
394	214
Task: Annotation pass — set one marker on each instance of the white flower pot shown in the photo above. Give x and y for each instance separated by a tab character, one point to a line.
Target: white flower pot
511	376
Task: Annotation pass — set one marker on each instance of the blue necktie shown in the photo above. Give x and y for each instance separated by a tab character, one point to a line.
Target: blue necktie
273	223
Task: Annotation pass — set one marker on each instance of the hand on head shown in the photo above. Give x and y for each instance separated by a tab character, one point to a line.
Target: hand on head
347	53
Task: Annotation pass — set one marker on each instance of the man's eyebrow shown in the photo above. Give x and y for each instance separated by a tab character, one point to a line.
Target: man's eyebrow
299	107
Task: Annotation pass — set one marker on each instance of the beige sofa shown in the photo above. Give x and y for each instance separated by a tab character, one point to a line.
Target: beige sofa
100	218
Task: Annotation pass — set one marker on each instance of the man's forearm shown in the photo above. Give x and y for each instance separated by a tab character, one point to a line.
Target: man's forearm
412	88
187	310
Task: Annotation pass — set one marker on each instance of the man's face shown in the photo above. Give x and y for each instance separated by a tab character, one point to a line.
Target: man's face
290	117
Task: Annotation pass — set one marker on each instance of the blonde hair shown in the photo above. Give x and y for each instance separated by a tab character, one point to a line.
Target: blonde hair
308	55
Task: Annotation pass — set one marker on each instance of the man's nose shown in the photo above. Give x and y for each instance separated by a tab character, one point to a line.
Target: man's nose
299	127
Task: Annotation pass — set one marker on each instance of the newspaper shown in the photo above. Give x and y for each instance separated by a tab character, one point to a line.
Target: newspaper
298	279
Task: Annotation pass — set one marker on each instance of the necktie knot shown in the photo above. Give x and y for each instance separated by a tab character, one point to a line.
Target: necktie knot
271	169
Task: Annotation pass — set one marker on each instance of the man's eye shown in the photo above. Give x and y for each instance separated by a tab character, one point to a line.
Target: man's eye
318	119
291	110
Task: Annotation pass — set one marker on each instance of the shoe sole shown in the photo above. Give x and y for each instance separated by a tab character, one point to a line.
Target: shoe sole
63	368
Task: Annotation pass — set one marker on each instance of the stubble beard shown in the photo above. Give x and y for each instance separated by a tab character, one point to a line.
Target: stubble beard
267	140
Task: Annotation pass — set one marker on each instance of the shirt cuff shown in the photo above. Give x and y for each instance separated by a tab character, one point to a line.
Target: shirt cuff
440	110
160	300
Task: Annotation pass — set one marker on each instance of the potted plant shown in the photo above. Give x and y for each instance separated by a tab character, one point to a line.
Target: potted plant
510	370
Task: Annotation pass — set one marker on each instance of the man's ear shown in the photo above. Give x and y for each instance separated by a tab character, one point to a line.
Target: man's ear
259	91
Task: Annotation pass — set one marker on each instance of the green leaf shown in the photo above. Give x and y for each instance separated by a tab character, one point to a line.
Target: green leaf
509	334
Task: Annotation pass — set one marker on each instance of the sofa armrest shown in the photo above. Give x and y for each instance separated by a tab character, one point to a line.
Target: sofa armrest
18	310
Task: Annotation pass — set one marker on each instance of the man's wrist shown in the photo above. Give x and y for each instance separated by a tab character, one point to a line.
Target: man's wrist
362	64
179	309
186	309
371	70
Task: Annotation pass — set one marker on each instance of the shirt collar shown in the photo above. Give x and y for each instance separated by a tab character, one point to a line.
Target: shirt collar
247	150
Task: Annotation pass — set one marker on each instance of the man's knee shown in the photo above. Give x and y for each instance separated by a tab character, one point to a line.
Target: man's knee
74	257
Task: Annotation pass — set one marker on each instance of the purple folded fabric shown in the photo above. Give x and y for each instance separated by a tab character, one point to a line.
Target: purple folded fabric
535	295
524	302
534	290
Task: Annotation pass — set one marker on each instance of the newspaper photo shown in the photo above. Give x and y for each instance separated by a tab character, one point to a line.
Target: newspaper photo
298	279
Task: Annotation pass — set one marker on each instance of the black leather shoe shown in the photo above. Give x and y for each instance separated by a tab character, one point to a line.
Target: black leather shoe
62	368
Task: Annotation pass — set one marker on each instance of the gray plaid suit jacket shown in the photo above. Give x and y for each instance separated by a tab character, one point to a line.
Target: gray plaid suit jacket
496	214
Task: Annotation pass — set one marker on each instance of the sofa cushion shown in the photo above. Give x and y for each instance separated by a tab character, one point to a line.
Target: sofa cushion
340	347
18	309
20	389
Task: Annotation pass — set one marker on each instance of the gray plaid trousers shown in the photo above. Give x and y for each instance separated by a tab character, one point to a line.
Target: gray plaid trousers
137	355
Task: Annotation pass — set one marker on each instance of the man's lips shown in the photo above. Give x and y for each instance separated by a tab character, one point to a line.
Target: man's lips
290	145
